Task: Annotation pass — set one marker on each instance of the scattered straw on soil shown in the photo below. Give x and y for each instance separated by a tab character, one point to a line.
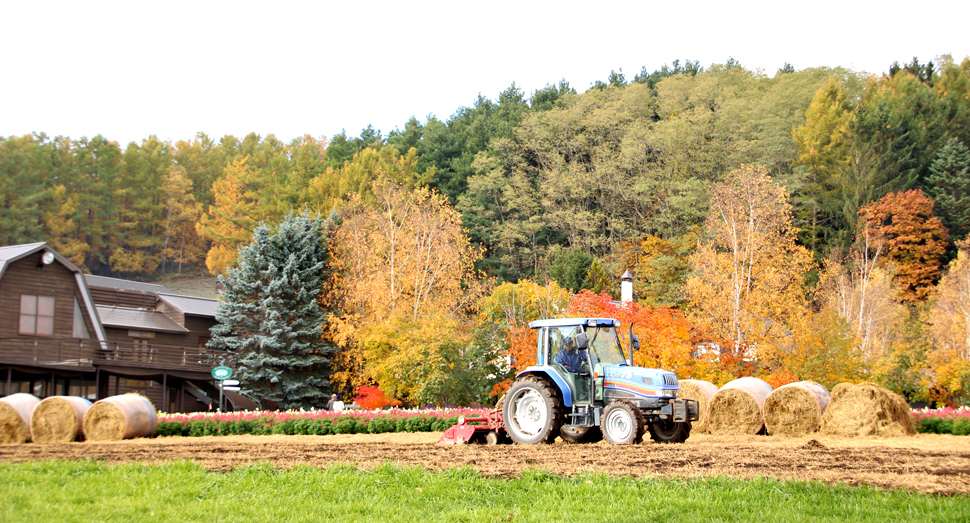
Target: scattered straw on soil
795	409
702	391
866	409
922	463
58	419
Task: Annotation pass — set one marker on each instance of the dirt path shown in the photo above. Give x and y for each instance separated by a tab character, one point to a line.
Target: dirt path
923	463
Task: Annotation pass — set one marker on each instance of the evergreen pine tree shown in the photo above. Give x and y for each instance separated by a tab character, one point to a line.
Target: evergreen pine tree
270	314
949	182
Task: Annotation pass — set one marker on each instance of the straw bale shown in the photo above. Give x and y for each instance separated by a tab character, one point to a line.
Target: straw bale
866	409
738	408
702	391
120	417
796	409
15	412
58	419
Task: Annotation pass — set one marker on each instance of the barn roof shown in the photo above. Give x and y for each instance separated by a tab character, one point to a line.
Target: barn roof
125	285
138	319
191	305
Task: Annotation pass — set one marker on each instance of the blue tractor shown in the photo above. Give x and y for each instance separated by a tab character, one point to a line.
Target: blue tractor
583	389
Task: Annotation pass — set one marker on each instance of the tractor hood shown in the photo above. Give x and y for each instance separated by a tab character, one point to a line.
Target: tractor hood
626	381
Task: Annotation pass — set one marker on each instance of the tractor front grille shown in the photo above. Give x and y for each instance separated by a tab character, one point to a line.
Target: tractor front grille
670	380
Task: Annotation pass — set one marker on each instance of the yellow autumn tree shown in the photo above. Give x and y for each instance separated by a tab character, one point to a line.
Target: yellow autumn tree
747	288
949	330
503	319
230	220
408	289
336	186
182	243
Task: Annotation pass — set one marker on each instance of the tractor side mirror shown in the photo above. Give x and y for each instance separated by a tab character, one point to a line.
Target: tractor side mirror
582	341
634	343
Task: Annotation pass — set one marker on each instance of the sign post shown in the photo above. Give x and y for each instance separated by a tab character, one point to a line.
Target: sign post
221	374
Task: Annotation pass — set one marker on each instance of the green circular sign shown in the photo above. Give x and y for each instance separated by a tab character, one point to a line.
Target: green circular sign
222	373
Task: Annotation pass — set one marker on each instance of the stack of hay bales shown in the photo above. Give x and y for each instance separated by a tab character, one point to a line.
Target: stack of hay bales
58	419
120	417
866	409
15	413
702	391
796	409
738	408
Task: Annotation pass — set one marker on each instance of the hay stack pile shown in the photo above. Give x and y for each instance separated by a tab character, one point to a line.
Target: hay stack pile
120	417
866	409
738	408
702	391
796	409
58	419
15	413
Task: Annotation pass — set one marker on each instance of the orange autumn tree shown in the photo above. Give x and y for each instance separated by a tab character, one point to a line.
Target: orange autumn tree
915	240
667	337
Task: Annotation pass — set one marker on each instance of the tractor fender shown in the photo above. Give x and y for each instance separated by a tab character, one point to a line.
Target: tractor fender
553	375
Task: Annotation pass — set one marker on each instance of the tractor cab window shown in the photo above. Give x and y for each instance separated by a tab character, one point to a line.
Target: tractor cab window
563	339
604	345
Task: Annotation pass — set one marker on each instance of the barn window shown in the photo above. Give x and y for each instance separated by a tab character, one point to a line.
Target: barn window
36	315
80	326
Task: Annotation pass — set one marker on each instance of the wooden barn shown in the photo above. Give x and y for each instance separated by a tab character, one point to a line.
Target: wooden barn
63	332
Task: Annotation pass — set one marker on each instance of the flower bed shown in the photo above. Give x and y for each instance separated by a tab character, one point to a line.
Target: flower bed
947	420
309	422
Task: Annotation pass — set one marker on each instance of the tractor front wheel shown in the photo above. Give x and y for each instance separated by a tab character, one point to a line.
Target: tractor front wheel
622	423
666	431
532	412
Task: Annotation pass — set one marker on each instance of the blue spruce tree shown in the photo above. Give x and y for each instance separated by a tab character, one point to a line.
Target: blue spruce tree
270	314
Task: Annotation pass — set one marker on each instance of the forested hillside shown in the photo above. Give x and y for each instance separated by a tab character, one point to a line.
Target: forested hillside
801	222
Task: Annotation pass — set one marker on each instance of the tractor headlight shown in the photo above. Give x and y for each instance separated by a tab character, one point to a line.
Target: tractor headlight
670	393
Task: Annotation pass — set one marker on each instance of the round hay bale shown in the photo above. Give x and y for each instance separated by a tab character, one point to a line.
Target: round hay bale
866	409
15	412
126	416
58	419
796	409
702	391
738	408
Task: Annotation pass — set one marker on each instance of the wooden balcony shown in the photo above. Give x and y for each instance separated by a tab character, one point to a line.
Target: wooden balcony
86	354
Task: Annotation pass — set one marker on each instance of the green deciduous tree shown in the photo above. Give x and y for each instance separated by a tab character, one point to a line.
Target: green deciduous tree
271	317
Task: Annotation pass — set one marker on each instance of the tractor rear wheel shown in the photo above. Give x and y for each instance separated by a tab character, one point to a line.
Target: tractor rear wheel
622	423
581	434
532	412
666	431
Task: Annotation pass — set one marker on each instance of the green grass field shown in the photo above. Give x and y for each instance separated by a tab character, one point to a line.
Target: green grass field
88	491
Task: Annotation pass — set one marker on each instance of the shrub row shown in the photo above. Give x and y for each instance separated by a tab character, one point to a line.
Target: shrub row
310	425
942	421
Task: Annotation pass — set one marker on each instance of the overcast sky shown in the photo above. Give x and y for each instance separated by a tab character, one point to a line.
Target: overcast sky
131	69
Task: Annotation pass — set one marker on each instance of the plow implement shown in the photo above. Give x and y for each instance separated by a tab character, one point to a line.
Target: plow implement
486	429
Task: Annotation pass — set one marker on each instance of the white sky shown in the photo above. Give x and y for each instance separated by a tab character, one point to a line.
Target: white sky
130	69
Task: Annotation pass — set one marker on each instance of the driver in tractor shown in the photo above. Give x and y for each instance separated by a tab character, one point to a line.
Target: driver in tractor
569	357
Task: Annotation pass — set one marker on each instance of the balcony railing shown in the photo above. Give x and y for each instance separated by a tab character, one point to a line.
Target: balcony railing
87	353
163	356
31	350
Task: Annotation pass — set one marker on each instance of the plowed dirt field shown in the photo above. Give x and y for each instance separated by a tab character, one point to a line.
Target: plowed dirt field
923	463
